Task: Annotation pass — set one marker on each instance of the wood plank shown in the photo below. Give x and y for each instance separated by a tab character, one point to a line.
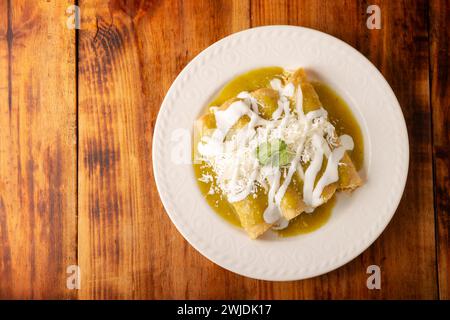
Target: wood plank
128	57
440	101
37	150
406	250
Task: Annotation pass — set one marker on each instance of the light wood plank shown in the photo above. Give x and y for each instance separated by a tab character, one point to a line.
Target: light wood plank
128	57
37	150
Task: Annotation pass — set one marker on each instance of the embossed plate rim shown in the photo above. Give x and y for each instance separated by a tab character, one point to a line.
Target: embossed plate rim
358	220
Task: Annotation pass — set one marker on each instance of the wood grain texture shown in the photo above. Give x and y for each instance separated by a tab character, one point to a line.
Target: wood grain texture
440	100
113	223
37	150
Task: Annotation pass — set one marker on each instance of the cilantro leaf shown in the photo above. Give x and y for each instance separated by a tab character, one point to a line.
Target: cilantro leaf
274	153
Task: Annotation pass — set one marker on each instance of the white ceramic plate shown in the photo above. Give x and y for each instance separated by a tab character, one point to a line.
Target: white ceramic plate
356	221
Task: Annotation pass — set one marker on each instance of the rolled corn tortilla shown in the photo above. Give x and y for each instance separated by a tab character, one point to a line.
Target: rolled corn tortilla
249	210
349	179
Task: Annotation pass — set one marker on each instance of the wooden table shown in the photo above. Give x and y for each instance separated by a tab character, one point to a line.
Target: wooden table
77	113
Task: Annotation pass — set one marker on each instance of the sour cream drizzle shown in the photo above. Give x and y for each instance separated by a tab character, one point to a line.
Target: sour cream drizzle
292	169
226	119
313	132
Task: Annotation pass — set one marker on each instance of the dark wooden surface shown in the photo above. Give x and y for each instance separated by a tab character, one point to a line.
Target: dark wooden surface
77	113
440	102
